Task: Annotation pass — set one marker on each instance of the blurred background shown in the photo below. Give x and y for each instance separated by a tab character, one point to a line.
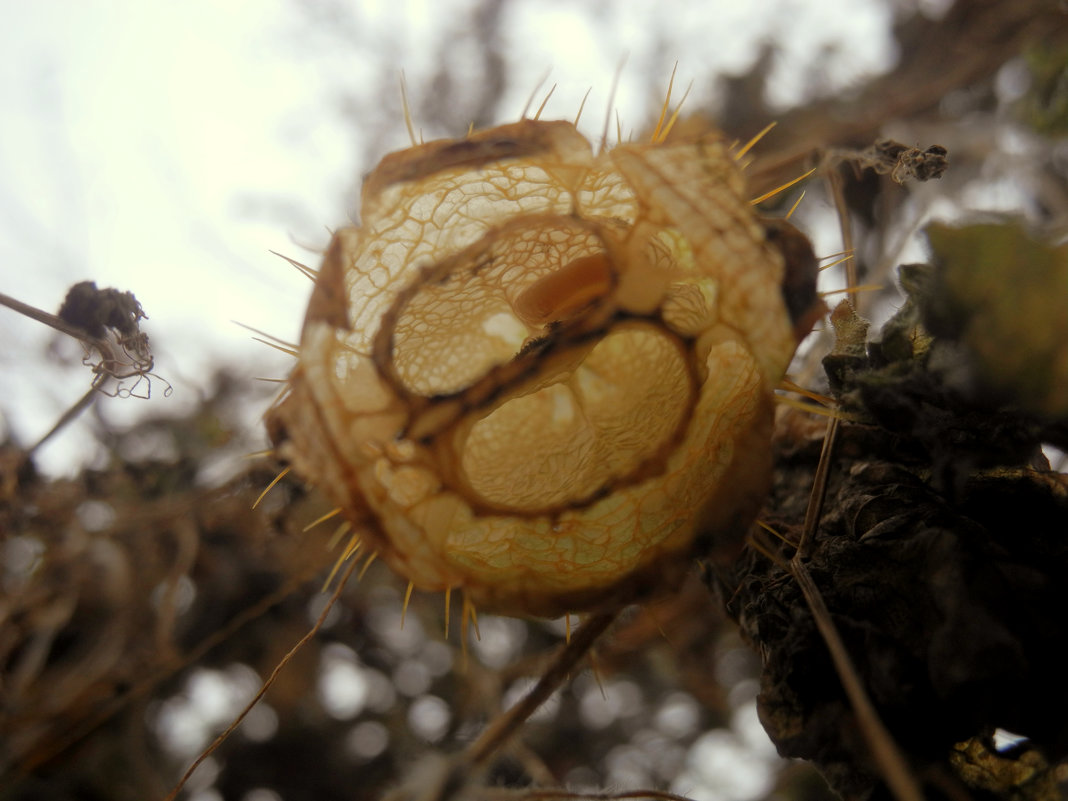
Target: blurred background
166	149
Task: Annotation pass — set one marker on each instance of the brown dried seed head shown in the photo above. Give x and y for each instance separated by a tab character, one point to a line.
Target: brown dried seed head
538	374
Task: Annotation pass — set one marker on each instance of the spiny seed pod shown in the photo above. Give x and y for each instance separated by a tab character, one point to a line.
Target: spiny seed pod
538	374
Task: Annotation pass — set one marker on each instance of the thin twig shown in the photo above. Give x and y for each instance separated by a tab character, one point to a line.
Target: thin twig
51	320
266	685
892	764
84	403
60	743
887	755
818	492
114	356
556	674
559	794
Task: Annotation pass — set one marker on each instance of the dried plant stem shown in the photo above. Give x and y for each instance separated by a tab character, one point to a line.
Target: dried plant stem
61	325
818	491
551	794
834	182
498	733
52	321
887	755
141	689
266	685
83	403
116	360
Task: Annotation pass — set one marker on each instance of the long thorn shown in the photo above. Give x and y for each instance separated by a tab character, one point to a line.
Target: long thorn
611	99
337	565
292	345
664	108
308	272
797	203
534	93
367	564
807	408
852	290
836	262
788	385
289	351
318	520
407	110
407	600
544	103
270	486
758	200
674	116
448	606
749	145
582	105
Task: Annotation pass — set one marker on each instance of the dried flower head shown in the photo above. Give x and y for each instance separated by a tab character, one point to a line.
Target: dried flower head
537	373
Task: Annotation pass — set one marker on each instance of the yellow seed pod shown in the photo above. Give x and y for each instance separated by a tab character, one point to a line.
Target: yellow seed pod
539	374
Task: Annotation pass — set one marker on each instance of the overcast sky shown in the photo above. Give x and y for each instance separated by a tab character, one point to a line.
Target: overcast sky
166	148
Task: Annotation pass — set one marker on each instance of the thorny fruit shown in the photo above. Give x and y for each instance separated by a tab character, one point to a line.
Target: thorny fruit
538	374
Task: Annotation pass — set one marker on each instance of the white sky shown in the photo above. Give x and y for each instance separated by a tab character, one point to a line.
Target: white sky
164	148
